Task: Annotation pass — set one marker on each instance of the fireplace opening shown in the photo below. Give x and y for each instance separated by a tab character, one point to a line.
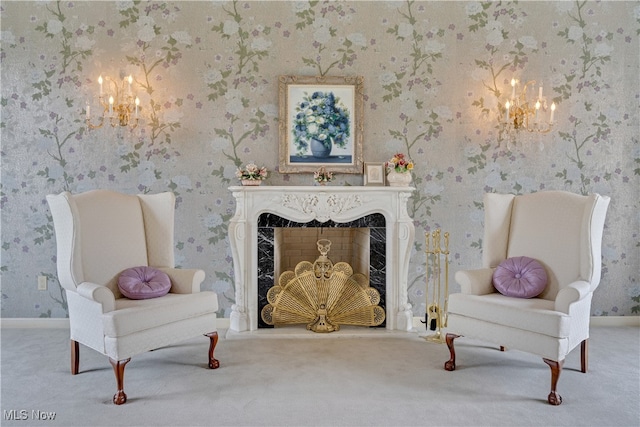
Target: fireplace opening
283	243
295	244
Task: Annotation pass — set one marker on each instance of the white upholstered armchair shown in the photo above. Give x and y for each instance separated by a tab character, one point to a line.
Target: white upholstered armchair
100	234
563	232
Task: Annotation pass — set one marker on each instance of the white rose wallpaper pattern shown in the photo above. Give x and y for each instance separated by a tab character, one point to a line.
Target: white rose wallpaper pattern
436	78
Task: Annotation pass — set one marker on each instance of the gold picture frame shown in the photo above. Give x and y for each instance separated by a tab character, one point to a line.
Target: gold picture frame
374	174
317	114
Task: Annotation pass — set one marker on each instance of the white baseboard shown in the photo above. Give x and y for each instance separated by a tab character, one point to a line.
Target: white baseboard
595	321
615	321
34	323
49	323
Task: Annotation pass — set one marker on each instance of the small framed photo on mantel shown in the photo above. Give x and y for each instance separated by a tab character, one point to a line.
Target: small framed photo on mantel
374	174
320	124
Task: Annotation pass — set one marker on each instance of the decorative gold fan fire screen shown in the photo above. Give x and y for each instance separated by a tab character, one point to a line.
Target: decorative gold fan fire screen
323	295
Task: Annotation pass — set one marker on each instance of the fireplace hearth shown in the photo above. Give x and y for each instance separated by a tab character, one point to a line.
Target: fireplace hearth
260	210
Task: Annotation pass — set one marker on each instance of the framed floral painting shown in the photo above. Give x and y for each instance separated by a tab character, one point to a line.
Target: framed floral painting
321	124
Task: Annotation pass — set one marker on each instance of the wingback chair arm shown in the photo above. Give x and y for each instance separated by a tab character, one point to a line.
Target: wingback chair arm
98	293
184	280
476	282
570	294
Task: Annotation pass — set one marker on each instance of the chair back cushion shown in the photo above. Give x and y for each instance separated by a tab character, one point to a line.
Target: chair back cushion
111	235
158	211
497	220
555	228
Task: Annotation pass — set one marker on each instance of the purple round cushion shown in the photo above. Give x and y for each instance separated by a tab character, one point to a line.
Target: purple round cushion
143	283
520	277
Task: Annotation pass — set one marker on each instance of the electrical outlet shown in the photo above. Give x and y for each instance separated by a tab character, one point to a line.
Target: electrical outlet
42	283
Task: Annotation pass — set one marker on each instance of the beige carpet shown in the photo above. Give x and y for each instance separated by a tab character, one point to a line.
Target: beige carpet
395	381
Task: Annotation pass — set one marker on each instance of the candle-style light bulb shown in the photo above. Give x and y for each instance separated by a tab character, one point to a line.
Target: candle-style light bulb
513	88
137	103
111	105
88	110
540	92
100	83
130	80
553	110
537	110
507	105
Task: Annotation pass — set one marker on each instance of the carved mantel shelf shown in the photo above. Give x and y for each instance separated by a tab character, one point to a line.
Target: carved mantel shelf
307	203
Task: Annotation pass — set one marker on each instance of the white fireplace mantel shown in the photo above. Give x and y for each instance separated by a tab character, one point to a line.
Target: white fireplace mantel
307	203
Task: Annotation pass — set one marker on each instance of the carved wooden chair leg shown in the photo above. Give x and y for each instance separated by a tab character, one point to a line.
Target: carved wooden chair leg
450	365
556	368
118	368
502	348
75	357
584	356
213	362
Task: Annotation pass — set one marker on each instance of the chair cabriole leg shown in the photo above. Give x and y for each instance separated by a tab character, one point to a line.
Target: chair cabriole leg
450	365
118	369
213	362
556	368
75	357
584	356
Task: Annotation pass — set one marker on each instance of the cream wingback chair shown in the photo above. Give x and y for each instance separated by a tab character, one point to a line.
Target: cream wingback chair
100	234
563	232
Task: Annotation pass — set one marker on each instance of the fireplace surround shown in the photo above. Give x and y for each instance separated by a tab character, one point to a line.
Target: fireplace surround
313	206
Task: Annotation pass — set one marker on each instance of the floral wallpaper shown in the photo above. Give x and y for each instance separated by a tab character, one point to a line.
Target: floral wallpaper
435	73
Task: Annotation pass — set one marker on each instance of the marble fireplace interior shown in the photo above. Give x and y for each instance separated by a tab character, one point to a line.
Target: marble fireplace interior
283	243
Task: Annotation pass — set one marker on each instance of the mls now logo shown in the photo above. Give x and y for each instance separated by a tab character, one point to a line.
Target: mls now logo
23	414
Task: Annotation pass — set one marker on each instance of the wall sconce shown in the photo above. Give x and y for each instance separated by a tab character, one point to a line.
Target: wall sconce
522	114
119	106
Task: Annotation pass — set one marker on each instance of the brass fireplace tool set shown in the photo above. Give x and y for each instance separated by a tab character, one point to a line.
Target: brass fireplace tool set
437	298
323	295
